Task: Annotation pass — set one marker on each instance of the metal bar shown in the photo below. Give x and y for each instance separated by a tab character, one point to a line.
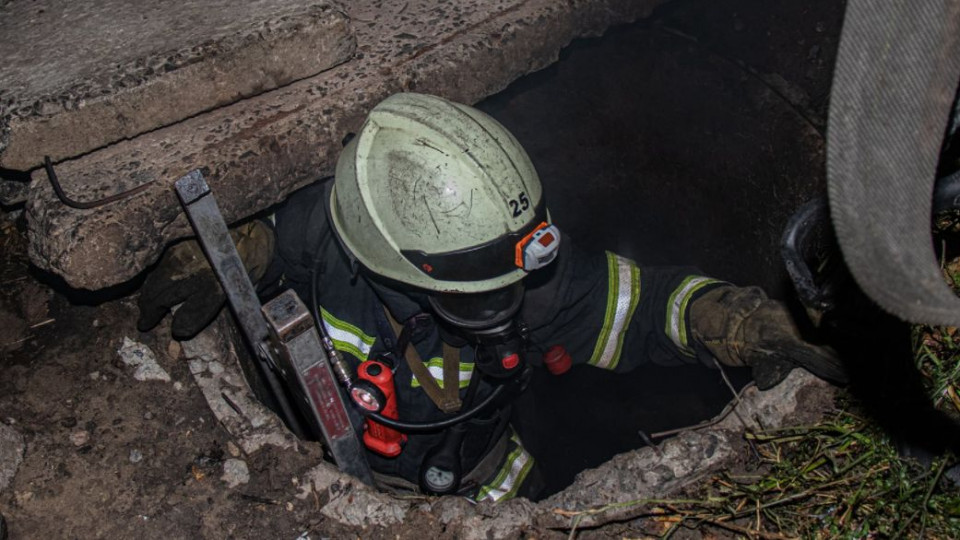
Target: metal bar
204	214
282	335
306	365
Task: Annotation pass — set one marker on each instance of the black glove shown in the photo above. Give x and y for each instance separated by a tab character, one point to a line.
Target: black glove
742	327
185	277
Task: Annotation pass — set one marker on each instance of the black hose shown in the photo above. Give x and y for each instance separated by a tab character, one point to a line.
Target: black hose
406	427
80	205
430	427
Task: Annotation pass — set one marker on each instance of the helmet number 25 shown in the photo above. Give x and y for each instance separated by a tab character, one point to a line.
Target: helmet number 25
519	204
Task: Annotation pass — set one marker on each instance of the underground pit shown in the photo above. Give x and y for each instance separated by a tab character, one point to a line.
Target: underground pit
688	138
664	147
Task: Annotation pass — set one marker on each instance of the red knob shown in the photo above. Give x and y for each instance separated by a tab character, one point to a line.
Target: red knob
557	360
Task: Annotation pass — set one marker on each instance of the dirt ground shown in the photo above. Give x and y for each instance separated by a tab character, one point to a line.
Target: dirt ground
112	457
109	456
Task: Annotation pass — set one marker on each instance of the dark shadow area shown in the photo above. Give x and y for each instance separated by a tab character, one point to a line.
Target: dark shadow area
85	297
878	351
686	139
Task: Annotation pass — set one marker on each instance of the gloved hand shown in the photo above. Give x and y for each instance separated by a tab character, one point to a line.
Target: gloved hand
742	327
184	276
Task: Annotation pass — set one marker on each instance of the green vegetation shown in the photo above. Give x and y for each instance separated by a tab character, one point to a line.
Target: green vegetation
938	355
840	478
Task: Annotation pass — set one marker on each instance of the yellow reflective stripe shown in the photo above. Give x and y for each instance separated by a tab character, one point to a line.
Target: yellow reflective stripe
435	367
623	295
510	477
347	337
677	310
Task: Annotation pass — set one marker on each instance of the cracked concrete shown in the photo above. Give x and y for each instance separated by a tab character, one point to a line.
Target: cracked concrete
646	473
80	75
258	150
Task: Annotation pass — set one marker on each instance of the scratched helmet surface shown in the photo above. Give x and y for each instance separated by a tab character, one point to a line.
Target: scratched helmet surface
436	195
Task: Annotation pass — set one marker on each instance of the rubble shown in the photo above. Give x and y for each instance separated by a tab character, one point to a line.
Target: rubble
624	481
215	367
80	437
649	472
138	355
235	472
12	448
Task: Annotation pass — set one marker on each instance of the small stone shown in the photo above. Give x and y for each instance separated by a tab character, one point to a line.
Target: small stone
173	349
22	497
232	449
140	356
94	375
235	472
178	386
148	415
289	507
80	438
96	323
136	456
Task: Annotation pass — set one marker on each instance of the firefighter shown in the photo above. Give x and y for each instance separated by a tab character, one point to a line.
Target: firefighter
433	249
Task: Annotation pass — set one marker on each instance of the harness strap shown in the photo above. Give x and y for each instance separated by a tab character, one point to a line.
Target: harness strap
447	399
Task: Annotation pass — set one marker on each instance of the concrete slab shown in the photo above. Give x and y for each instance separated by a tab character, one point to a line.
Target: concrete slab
258	150
80	75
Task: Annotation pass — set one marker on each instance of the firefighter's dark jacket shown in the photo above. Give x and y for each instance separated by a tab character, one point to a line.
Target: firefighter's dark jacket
602	308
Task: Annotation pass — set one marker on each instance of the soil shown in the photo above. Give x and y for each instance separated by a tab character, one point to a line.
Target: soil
112	457
738	106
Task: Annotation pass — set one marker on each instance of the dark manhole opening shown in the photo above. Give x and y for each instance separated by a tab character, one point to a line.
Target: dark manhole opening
661	141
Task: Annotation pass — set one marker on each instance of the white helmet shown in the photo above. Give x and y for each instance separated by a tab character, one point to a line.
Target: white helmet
440	196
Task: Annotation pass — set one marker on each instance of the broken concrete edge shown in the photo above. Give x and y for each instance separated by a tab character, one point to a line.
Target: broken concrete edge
261	149
153	94
623	488
632	482
169	86
215	366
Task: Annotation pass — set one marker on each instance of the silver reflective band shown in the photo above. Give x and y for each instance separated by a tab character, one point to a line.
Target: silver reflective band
511	475
435	367
623	295
677	311
346	337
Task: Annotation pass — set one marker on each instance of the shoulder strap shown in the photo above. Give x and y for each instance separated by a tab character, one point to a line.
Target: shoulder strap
447	399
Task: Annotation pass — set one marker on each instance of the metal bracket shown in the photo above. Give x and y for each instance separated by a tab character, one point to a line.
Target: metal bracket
301	357
281	334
